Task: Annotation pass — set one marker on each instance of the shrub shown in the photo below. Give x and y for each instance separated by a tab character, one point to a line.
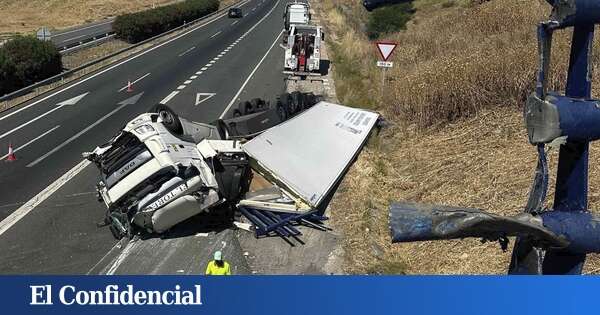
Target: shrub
389	19
25	60
135	27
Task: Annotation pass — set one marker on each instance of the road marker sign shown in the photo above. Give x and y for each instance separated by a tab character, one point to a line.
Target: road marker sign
43	34
74	100
386	49
202	97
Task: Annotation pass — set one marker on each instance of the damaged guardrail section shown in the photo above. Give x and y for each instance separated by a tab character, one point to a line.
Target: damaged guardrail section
549	241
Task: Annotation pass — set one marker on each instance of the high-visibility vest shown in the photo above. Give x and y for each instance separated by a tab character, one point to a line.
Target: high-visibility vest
213	269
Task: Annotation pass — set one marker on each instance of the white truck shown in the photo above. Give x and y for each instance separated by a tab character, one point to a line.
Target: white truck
296	13
303	50
160	169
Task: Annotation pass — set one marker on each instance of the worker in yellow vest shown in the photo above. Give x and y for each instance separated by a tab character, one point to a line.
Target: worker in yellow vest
218	267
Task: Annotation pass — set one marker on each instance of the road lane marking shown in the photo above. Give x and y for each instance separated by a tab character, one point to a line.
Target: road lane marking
199	72
234	23
208	65
204	68
187	51
117	64
194	77
233	100
31	121
212	61
22	211
187	82
181	87
202	97
129	101
169	97
32	141
215	34
136	81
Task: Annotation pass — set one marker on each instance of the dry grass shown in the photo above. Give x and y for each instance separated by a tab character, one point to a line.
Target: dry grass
455	95
26	16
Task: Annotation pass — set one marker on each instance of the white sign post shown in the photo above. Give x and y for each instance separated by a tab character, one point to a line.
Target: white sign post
43	34
386	49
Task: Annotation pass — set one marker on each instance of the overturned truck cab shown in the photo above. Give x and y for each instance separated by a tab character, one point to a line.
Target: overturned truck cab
161	169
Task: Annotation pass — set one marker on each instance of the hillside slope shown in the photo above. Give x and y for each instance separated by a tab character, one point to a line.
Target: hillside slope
454	98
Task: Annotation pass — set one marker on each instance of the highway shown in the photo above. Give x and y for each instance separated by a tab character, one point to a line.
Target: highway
48	206
71	37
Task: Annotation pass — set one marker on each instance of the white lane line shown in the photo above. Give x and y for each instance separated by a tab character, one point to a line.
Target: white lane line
216	58
181	87
233	100
116	65
253	9
22	211
208	65
234	23
32	141
120	259
194	77
136	81
199	72
220	55
187	82
215	34
187	51
212	61
31	121
169	97
41	158
14	217
204	68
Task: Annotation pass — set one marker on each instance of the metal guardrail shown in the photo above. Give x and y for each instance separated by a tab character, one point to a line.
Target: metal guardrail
68	73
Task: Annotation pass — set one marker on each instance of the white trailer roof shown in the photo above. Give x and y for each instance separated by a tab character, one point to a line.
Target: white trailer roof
310	153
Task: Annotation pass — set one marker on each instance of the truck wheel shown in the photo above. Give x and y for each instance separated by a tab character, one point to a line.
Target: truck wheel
257	104
237	113
281	112
284	100
169	119
297	102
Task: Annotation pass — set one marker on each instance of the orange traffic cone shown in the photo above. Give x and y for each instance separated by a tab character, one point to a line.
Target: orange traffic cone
11	154
129	86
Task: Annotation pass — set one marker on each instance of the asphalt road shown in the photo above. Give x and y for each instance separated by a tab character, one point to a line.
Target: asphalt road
48	209
83	33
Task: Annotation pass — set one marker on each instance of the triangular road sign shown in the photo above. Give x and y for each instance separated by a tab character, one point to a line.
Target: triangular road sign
386	49
201	97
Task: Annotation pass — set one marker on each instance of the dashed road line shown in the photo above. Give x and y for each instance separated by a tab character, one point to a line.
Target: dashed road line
169	97
136	81
187	51
30	142
234	23
215	34
181	87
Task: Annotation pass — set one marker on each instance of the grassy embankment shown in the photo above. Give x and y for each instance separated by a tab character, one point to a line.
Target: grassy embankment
461	74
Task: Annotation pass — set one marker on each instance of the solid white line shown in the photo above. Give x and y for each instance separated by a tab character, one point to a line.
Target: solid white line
169	97
30	142
120	258
234	23
31	121
215	34
136	81
181	87
22	211
187	82
250	76
14	217
75	136
116	65
187	51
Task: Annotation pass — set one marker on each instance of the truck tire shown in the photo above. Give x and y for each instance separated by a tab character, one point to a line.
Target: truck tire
237	113
246	108
285	101
281	112
297	102
169	118
257	104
